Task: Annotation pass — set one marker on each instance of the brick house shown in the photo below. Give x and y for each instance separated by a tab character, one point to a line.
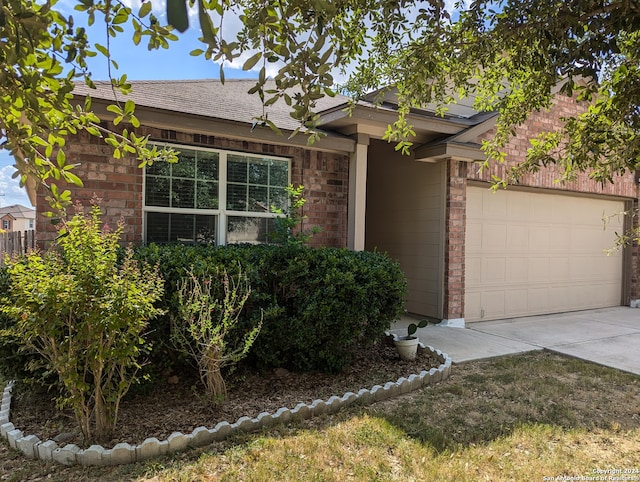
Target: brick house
468	254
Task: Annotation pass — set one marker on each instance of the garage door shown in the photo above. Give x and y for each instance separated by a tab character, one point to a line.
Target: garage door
531	253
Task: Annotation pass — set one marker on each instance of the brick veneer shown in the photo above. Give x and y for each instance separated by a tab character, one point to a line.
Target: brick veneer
455	226
118	182
516	151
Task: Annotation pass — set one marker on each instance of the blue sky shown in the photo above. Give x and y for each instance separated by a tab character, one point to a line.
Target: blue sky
139	64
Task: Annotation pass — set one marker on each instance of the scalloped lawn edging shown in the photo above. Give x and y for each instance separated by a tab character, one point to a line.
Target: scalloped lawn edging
124	453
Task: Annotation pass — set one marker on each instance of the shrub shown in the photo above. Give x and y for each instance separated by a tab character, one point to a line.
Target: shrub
204	321
84	314
318	304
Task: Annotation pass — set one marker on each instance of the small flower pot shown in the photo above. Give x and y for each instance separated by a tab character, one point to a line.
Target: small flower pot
407	347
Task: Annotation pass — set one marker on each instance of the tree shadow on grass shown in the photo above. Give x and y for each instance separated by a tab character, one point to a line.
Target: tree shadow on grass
482	401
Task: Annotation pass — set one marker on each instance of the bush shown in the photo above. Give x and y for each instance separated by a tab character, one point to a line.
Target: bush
204	323
318	304
84	314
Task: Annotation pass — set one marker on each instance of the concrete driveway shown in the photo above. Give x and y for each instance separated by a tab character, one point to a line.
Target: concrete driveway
609	337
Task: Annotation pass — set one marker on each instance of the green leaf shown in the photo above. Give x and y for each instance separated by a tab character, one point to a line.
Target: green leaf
177	15
145	9
61	158
115	109
102	49
206	26
252	61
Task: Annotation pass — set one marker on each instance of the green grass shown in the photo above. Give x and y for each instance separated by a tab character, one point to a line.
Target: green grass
517	418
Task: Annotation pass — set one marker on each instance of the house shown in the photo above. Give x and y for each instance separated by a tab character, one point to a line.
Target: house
469	254
17	218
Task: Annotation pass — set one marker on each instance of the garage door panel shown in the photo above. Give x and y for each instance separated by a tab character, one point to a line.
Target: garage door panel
538	269
559	269
474	236
517	301
517	237
493	304
517	270
540	238
495	236
495	270
533	253
560	239
538	297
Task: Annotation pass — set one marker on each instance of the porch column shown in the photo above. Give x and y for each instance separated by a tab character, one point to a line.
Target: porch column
455	229
357	194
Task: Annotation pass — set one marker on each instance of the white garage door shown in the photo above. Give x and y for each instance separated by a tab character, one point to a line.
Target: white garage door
531	253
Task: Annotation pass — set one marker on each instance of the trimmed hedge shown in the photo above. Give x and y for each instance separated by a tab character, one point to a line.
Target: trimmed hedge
317	304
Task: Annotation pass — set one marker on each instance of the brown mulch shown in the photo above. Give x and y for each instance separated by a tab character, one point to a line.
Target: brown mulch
177	404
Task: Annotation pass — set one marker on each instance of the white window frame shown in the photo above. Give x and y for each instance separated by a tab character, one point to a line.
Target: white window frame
6	224
222	212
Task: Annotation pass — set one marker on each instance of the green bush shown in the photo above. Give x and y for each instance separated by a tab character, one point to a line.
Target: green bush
318	304
84	314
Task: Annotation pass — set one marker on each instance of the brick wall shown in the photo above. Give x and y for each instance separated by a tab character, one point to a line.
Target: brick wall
119	182
455	224
516	151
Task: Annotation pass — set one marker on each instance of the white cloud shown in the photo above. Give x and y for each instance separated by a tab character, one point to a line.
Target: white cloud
10	190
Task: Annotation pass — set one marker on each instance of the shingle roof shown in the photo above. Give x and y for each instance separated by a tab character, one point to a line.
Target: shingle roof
18	211
205	97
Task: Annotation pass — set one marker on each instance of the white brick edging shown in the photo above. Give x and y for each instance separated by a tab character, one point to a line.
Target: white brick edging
123	453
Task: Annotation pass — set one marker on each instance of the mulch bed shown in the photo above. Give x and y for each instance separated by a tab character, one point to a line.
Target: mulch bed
177	404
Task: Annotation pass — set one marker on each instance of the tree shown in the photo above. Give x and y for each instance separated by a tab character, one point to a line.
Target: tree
509	54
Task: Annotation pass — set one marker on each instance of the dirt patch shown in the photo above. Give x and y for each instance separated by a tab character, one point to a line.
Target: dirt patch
176	404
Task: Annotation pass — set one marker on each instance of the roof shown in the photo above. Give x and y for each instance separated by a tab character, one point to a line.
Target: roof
18	211
206	97
210	99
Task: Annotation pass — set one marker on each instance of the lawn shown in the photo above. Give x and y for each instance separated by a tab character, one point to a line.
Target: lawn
526	417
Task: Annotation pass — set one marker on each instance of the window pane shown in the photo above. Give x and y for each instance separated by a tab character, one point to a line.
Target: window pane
279	173
207	166
182	193
157	226
258	171
159	168
237	197
258	199
182	228
157	191
278	198
248	230
186	165
207	195
166	227
236	169
206	229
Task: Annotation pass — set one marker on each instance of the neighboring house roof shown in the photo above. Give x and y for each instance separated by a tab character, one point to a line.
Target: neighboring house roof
18	211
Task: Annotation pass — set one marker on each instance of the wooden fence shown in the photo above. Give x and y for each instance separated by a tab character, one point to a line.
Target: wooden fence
17	242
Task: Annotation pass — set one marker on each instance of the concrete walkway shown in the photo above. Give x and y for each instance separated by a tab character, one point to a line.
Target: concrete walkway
609	337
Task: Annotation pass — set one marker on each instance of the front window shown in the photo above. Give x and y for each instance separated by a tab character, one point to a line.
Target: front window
214	196
6	224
